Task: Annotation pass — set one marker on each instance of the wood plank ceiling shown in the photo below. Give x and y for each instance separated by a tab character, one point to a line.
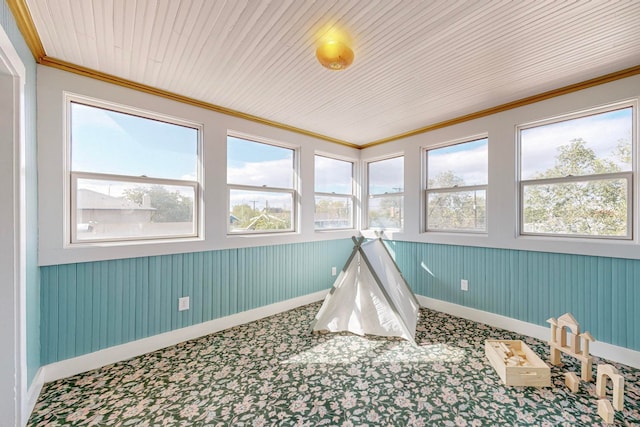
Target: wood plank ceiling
417	62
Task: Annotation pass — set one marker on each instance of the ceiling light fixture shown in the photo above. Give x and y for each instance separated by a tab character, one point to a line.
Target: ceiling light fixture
333	51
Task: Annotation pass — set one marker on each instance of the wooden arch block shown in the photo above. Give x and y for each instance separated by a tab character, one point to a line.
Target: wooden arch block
618	385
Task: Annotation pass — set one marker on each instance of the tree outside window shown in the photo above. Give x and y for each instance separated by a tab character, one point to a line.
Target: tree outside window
583	187
456	193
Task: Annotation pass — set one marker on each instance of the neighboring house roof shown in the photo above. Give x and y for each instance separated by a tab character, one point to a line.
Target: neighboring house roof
89	199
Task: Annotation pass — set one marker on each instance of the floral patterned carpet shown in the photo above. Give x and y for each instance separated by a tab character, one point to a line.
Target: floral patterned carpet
276	372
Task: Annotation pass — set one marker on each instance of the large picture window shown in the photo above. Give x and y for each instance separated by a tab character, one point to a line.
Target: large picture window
133	177
261	187
386	193
576	175
333	193
456	190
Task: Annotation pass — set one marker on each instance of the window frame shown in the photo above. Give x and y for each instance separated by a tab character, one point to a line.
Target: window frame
629	176
370	196
264	188
350	196
71	176
455	189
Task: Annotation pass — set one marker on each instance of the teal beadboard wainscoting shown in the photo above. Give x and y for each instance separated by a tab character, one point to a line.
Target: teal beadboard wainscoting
602	293
95	305
91	306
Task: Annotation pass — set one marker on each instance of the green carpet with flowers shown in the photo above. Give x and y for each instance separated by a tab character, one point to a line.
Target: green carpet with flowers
276	372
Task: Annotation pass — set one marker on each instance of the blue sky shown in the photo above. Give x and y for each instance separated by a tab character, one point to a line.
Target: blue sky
386	176
116	143
468	160
539	145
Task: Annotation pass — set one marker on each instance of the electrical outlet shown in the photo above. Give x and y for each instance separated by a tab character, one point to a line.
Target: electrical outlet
183	303
334	271
464	285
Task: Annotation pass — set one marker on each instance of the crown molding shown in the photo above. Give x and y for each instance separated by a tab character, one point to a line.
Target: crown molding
628	72
26	26
88	72
25	23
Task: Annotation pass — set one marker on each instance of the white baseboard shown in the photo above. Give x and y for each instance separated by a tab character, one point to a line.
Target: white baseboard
87	362
97	359
601	349
32	396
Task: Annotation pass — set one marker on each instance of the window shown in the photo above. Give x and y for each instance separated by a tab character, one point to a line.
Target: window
334	193
261	187
456	194
576	175
132	177
386	193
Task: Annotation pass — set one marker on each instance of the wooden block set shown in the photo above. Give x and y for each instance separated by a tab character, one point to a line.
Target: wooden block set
566	338
517	365
578	346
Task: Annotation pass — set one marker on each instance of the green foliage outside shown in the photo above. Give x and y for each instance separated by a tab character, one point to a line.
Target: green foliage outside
244	217
456	210
333	212
589	207
168	206
333	209
386	212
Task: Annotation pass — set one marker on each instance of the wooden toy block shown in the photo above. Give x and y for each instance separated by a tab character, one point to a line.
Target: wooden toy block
578	347
522	368
575	343
617	380
586	339
507	350
605	410
554	327
567	320
586	366
571	380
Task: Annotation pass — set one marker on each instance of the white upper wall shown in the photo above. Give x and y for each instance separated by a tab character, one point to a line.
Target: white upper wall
502	213
52	83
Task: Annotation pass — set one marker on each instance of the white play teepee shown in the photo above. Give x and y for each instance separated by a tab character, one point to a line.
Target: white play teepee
370	296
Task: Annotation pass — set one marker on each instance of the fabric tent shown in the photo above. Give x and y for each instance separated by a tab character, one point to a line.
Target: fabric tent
370	296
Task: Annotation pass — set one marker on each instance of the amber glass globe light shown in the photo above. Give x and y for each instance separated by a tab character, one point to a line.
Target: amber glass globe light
334	55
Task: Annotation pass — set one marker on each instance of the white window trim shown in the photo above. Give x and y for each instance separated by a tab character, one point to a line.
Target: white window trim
369	196
628	176
69	211
427	190
351	196
459	189
126	178
633	209
295	208
264	189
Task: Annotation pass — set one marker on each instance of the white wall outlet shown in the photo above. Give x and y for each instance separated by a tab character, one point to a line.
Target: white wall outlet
183	303
334	271
464	285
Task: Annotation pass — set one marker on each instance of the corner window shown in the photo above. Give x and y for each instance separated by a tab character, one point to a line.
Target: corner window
576	175
261	187
456	190
133	177
386	193
333	193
